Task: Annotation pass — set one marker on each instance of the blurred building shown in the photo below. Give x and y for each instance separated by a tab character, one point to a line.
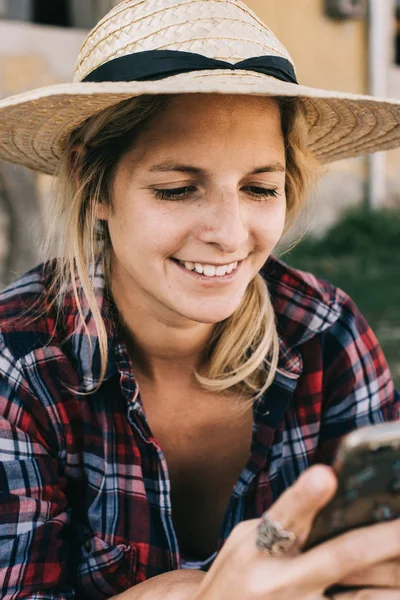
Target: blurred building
40	40
39	44
351	46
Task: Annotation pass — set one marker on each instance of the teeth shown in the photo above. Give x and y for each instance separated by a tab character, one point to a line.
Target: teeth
210	270
221	270
199	268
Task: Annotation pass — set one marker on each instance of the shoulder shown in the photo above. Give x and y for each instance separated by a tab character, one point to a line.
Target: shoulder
42	334
305	305
27	312
346	353
29	285
35	371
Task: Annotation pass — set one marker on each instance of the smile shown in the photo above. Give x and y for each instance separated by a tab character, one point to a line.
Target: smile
209	272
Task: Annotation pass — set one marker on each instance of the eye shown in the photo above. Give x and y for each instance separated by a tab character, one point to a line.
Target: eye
260	192
183	193
175	194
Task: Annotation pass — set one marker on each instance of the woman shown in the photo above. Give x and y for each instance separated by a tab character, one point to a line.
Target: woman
166	382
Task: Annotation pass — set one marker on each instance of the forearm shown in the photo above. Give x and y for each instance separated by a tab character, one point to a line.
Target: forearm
175	585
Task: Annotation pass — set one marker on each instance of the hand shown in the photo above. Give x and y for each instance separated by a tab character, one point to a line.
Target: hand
241	572
373	583
367	594
173	585
384	575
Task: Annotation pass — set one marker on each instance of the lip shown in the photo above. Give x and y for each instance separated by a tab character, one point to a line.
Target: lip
217	279
211	263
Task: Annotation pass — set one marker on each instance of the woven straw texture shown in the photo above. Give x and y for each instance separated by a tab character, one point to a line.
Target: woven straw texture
34	125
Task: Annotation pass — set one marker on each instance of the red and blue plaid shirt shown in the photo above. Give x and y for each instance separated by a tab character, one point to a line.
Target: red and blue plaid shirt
85	508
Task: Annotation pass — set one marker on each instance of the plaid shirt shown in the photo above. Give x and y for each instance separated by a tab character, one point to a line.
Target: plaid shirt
85	509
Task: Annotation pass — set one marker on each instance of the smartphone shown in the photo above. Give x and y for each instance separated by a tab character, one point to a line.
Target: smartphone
368	469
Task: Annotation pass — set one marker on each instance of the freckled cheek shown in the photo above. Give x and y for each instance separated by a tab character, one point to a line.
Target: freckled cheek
148	235
131	225
268	230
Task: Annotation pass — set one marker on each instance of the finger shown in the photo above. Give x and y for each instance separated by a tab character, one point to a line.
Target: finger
294	510
297	507
368	594
351	552
384	575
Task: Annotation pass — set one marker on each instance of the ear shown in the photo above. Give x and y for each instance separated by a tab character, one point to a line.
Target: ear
102	212
78	154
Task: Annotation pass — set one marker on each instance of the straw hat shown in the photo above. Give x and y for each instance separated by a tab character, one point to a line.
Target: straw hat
34	125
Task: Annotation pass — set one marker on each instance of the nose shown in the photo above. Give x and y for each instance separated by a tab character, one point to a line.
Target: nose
224	222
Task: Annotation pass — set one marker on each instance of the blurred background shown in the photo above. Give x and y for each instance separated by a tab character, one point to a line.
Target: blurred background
351	228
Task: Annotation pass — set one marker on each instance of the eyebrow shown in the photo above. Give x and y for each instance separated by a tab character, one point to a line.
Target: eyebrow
169	166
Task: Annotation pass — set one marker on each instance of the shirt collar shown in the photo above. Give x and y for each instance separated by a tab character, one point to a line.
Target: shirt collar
303	309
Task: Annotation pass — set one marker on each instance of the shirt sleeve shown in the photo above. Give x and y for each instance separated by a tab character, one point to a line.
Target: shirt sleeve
34	515
358	389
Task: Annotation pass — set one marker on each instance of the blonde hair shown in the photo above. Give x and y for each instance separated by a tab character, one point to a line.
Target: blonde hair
244	349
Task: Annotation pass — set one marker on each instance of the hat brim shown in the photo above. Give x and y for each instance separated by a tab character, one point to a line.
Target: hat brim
34	125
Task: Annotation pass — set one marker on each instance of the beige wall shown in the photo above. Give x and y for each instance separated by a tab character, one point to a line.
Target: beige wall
35	56
393	157
31	56
327	53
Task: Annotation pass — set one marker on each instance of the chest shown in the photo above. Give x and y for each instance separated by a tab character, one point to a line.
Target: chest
206	443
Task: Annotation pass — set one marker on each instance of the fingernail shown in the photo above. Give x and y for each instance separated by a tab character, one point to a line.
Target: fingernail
321	478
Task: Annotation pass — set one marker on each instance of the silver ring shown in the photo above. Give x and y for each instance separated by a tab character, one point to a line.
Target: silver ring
273	538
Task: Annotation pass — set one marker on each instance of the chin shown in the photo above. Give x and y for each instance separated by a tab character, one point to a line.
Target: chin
211	316
210	320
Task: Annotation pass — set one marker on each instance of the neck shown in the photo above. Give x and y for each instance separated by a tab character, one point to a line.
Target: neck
161	347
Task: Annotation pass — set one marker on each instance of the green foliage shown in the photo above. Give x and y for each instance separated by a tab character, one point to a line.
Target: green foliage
374	235
361	255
